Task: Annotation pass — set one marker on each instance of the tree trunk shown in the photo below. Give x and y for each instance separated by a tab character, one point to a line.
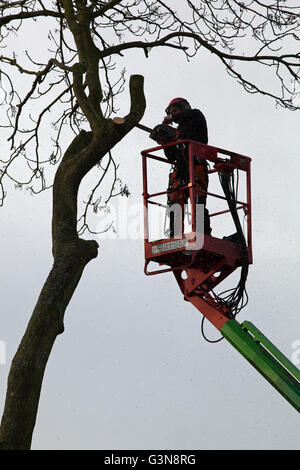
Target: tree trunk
71	255
28	366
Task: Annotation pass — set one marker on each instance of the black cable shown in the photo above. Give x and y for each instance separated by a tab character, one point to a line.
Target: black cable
236	298
206	339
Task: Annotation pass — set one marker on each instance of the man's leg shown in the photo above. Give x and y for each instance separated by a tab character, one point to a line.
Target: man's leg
176	217
207	227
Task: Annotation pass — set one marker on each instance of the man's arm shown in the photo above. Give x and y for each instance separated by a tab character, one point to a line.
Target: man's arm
163	134
193	126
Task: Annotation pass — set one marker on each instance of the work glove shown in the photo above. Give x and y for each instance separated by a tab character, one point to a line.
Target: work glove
163	133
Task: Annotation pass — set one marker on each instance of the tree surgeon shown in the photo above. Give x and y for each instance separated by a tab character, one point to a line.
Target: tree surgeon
191	125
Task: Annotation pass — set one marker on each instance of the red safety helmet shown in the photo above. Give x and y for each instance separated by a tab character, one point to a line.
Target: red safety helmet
182	102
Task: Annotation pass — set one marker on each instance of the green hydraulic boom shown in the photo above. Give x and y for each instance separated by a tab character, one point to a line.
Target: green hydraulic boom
201	263
266	358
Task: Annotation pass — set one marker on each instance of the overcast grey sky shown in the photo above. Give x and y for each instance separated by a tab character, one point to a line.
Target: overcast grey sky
131	370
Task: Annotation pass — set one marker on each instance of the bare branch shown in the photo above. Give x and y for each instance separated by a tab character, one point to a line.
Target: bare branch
28	15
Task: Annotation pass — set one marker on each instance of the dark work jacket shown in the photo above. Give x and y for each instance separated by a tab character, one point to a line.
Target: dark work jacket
192	125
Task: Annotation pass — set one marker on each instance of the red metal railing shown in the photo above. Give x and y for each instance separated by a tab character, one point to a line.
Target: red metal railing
211	154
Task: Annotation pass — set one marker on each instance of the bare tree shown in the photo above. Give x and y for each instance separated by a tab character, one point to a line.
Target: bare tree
77	80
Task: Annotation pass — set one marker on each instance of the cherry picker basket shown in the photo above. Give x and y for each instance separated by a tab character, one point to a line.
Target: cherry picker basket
184	250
